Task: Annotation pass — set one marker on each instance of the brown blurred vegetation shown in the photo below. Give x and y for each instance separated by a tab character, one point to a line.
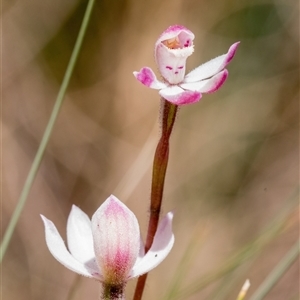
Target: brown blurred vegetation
234	162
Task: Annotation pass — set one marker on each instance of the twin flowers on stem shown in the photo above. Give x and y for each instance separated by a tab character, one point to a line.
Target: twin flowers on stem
109	247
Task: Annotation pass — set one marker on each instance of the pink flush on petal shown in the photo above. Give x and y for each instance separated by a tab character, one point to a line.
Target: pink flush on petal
181	97
145	77
188	98
218	82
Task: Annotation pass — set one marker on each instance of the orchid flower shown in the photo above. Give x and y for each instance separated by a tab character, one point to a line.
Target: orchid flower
108	248
172	49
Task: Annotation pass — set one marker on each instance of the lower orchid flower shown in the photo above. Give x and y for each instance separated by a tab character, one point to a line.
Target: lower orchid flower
172	49
108	248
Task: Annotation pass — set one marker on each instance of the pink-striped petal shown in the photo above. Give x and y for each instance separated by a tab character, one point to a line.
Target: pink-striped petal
179	96
116	240
212	67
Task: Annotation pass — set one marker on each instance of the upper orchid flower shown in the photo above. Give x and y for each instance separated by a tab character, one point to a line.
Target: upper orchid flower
172	49
109	247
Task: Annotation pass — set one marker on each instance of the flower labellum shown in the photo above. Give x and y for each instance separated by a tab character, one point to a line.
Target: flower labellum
172	49
108	248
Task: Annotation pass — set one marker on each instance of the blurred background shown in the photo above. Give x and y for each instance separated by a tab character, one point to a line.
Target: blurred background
233	171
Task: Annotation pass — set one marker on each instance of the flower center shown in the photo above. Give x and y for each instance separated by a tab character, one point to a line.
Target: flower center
173	43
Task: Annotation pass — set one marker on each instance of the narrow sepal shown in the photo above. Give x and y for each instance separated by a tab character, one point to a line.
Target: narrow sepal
58	249
79	235
208	85
161	247
212	67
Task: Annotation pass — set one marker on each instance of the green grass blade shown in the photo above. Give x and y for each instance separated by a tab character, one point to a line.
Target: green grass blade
185	263
277	272
39	155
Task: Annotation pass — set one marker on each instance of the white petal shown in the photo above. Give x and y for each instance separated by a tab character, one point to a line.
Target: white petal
208	85
212	67
194	86
79	235
162	245
171	91
147	77
179	96
58	249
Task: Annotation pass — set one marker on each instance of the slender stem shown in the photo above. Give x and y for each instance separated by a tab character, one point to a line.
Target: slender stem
160	164
40	152
277	272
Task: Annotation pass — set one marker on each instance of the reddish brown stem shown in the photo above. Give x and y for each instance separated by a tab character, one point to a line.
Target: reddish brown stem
160	164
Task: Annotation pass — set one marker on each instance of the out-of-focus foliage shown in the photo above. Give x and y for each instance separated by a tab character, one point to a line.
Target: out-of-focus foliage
240	23
234	158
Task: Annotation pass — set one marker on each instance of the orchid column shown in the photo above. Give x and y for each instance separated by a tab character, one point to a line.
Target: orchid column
172	49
